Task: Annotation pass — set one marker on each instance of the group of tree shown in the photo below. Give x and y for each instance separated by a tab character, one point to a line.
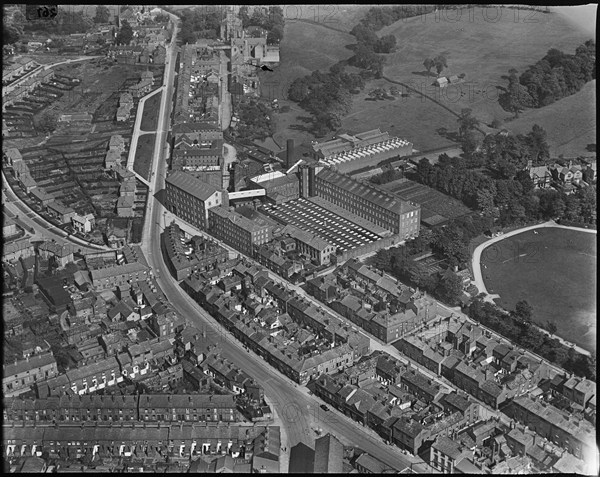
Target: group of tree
327	96
199	23
13	22
369	44
125	34
450	243
102	14
270	19
495	182
386	176
439	62
553	77
367	37
519	327
256	122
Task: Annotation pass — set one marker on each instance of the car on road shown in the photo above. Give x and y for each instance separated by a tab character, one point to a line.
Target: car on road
324	407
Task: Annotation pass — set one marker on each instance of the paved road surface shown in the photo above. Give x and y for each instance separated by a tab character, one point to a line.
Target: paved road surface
44	230
299	412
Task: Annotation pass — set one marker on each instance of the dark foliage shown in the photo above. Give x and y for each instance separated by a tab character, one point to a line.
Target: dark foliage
553	77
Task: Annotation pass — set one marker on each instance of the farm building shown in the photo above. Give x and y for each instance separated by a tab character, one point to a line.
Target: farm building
441	82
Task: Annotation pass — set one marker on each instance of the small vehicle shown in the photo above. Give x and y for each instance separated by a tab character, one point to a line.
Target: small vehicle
324	407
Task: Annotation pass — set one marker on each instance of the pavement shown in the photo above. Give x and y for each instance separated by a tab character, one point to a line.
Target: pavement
43	230
72	60
225	102
297	410
137	132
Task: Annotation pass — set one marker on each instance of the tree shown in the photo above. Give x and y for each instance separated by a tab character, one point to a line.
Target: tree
10	35
485	201
450	286
538	144
496	123
440	63
386	44
364	35
428	64
551	327
469	143
102	14
125	34
517	96
244	15
466	121
523	311
47	122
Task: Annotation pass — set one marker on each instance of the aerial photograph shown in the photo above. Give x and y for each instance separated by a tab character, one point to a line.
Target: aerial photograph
322	238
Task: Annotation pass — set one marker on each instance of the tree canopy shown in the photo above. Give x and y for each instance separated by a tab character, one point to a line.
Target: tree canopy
102	14
555	76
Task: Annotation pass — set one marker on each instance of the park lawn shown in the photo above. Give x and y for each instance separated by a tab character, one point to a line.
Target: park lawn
150	114
483	50
570	123
555	271
144	154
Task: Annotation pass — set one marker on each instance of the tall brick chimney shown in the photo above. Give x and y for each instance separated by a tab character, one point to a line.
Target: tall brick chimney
289	158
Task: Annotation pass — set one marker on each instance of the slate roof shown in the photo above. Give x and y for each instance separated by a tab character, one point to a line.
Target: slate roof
191	185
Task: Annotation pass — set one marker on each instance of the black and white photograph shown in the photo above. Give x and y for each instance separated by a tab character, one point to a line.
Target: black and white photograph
304	239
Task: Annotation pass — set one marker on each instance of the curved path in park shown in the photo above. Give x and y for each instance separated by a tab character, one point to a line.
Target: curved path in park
478	276
476	259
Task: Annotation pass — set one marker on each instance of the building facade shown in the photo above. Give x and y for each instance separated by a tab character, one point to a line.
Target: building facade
369	202
237	231
190	198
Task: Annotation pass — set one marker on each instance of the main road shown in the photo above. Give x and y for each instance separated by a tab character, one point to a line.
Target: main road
298	410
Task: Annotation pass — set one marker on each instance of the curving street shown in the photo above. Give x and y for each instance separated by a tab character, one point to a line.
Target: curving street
298	412
43	230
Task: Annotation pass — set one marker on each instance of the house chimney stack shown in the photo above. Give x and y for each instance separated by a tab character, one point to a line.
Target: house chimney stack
289	158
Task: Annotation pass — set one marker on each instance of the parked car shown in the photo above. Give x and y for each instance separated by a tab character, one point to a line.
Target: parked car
324	407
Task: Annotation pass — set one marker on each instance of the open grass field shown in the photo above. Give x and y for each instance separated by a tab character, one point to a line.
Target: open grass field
150	114
555	271
570	122
482	49
411	117
143	155
305	48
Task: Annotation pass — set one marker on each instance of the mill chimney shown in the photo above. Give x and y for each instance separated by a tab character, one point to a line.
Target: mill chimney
289	158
